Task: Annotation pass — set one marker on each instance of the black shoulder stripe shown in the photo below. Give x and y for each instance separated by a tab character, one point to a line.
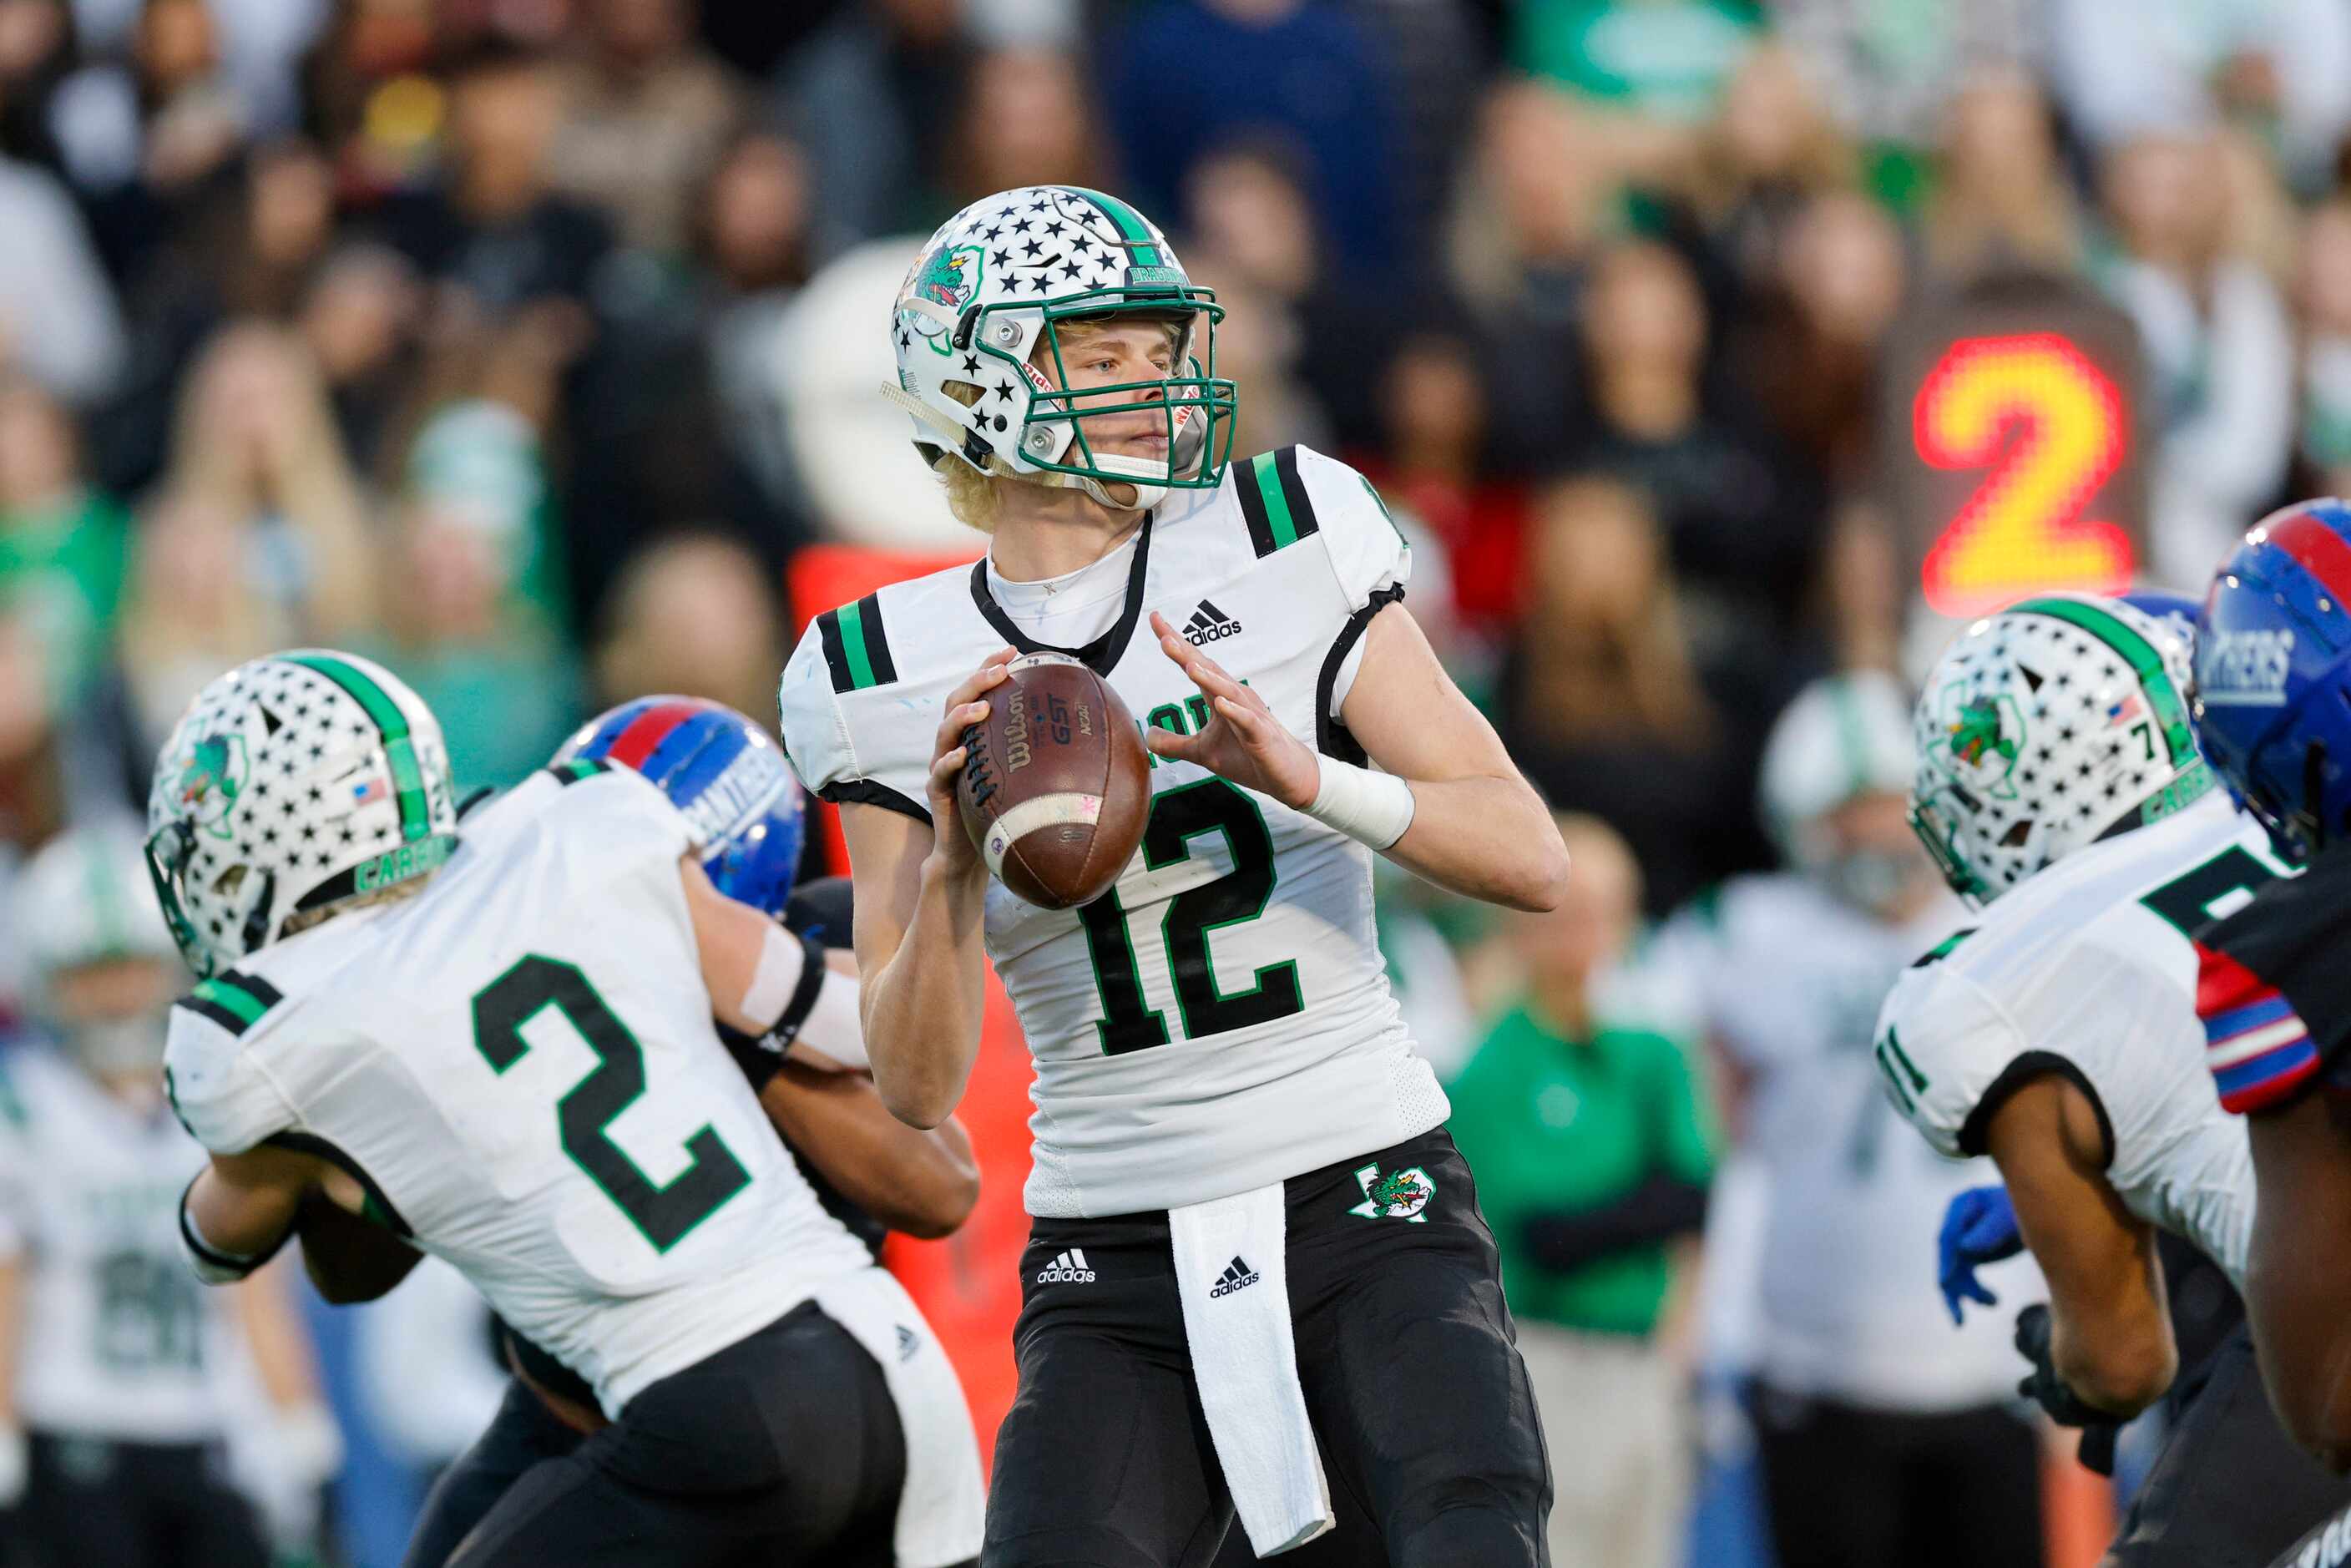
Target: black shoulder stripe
379	1207
205	1007
1243	478
567	774
865	792
836	657
1294	490
1331	736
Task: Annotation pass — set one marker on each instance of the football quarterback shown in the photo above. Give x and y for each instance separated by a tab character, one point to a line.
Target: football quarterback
1232	1130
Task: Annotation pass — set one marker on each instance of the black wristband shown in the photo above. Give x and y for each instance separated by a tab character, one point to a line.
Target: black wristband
758	1060
787	1027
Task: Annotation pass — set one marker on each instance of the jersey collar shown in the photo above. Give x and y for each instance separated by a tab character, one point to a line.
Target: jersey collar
1101	656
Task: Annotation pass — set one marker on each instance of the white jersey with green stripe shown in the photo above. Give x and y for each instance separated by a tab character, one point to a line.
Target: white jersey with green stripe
117	1341
1221	1019
2086	970
518	1065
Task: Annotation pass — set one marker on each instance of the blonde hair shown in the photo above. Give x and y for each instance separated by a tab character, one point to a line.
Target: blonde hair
397	893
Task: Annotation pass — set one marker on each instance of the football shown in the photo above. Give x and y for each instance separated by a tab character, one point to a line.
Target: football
1055	784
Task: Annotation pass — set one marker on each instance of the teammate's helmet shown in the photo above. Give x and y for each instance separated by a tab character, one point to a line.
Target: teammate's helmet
292	785
84	900
1843	736
725	774
2273	674
990	290
2175	612
2044	728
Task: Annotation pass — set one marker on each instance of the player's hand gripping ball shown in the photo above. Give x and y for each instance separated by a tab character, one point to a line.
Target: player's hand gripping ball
1055	785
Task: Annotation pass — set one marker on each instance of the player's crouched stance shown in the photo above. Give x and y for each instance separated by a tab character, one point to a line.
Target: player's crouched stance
1257	1280
502	1051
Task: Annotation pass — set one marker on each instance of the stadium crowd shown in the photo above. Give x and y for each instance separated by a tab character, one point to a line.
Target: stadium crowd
527	346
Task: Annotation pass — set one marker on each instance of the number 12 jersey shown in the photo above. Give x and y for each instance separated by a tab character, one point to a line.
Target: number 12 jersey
1220	1020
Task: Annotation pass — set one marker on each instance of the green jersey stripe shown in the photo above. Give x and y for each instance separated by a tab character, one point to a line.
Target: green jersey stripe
1129	223
399	747
242	1005
2170	713
1283	527
852	644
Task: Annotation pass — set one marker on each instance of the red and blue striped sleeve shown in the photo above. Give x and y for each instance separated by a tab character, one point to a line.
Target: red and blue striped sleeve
2258	1049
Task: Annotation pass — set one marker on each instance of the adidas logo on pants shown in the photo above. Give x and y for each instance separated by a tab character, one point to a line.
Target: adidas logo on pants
1069	1269
1238	1276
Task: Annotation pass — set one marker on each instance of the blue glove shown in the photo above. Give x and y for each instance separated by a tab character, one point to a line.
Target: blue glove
1978	1228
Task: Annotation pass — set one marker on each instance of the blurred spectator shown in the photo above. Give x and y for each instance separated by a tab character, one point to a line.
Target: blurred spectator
256	539
464	631
1431	458
1999	201
649	110
1024	120
1770	150
2324	294
755	231
357	321
869	96
37	50
1742	527
1591	1144
693	616
492	224
1660	60
1887	69
1439	57
2130	68
1187	76
1603	704
1807	354
1250	225
1258	347
2220	355
64	546
1527	215
57	317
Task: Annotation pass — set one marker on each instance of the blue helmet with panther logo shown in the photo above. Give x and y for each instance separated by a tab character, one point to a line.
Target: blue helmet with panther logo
728	777
2273	703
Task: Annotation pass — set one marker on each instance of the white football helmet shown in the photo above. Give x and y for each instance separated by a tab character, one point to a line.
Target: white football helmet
1842	737
294	783
986	293
2045	727
84	900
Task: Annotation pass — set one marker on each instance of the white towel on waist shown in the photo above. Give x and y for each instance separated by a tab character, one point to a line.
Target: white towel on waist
1231	1265
942	1510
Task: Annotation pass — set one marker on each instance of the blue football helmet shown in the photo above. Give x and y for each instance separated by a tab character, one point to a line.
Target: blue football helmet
2272	690
728	777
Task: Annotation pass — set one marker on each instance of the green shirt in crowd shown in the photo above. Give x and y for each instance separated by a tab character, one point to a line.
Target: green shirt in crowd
1550	1126
63	570
1665	58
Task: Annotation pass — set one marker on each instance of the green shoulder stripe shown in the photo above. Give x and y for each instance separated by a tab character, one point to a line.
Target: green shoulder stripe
1274	502
236	1002
1943	949
856	649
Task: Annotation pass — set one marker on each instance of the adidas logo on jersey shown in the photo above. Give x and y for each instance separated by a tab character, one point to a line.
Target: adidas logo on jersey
1238	1276
1069	1269
1208	624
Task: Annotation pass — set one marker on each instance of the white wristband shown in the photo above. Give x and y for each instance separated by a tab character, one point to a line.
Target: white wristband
1372	808
777	978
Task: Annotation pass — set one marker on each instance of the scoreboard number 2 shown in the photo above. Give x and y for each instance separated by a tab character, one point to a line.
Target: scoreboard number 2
2050	428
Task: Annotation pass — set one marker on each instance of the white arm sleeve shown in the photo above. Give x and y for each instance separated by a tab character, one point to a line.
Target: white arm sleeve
816	736
217	1088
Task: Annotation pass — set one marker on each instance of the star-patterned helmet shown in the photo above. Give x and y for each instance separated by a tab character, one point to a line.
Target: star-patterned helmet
981	311
294	783
2045	727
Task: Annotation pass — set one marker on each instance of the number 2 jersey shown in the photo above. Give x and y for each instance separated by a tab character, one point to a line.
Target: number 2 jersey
518	1066
2087	970
1221	1019
117	1341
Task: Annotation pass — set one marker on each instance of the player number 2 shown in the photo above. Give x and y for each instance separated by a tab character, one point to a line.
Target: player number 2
664	1213
1179	816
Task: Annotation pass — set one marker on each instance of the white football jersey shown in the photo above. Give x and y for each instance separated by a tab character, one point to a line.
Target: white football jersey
2086	970
1789	981
1221	1020
519	1067
118	1338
